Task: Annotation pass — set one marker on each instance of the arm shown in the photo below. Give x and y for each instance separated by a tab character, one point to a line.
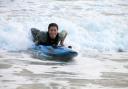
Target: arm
35	34
64	34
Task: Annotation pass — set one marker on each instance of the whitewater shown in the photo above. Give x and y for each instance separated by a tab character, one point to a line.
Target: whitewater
97	30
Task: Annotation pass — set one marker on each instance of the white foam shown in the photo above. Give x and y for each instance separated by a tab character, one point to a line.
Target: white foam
90	25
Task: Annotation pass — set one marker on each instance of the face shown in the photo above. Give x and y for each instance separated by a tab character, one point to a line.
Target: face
53	32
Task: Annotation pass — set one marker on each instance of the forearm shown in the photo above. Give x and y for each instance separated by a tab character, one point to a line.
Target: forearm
62	43
63	35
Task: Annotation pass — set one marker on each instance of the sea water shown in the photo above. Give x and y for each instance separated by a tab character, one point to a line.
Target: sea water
97	30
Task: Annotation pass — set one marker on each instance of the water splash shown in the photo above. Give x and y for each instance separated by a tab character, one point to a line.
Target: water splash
90	26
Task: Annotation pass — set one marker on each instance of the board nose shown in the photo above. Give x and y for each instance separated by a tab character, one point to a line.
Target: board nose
73	53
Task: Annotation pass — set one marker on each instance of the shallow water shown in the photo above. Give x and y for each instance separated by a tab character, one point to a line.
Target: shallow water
105	71
96	29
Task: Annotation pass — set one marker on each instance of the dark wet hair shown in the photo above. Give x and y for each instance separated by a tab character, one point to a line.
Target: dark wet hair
52	24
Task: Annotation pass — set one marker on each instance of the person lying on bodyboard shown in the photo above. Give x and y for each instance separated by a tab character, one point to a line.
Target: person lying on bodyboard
55	39
49	38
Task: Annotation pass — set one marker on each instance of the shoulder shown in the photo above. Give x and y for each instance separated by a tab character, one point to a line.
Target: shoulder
43	34
62	34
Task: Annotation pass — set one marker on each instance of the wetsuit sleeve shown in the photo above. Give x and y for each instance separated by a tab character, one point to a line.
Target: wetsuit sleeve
35	33
62	34
38	36
42	37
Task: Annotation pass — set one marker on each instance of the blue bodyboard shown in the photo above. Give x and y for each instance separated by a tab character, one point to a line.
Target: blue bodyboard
58	52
